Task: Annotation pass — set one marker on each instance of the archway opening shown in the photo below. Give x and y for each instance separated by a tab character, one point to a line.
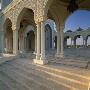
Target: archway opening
26	38
78	41
77	26
88	41
8	37
30	41
67	42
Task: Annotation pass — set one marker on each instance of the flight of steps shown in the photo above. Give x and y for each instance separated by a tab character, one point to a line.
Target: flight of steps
22	74
73	62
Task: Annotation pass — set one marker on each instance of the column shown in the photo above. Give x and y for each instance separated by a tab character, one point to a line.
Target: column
58	42
38	41
9	45
83	42
40	44
42	41
35	42
72	42
25	42
15	42
6	44
62	39
1	43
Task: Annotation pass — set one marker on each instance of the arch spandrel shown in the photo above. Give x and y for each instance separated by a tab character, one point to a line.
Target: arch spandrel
29	4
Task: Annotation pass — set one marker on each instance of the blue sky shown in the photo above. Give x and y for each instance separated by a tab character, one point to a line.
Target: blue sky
80	18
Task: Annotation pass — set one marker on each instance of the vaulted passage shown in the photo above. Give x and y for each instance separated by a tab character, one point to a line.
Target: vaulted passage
8	37
30	41
27	31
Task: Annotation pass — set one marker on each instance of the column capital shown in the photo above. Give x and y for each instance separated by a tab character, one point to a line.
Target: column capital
40	19
62	26
14	28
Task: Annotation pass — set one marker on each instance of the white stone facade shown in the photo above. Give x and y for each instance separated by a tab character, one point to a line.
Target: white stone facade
16	16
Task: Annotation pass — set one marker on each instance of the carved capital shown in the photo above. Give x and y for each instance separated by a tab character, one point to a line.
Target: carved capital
14	27
40	19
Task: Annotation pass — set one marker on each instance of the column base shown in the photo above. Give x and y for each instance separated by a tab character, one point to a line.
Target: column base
41	62
59	55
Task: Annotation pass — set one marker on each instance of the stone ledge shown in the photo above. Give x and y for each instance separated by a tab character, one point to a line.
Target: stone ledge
41	62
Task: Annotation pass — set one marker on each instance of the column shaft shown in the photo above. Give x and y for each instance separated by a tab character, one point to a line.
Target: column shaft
1	42
58	42
42	41
15	42
38	41
62	39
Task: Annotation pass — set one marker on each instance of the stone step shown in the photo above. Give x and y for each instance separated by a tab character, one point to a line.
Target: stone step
70	62
60	77
36	76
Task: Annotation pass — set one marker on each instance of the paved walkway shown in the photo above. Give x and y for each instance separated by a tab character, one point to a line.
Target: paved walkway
18	75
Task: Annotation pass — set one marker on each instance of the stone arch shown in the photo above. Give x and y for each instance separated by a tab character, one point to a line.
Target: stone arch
8	36
5	21
19	16
47	4
28	29
80	43
25	19
57	17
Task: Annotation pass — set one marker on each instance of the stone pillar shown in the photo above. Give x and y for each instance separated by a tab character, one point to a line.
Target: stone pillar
22	43
58	42
62	39
15	42
1	43
38	41
72	42
25	42
85	43
12	43
42	41
6	44
9	42
40	44
35	42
